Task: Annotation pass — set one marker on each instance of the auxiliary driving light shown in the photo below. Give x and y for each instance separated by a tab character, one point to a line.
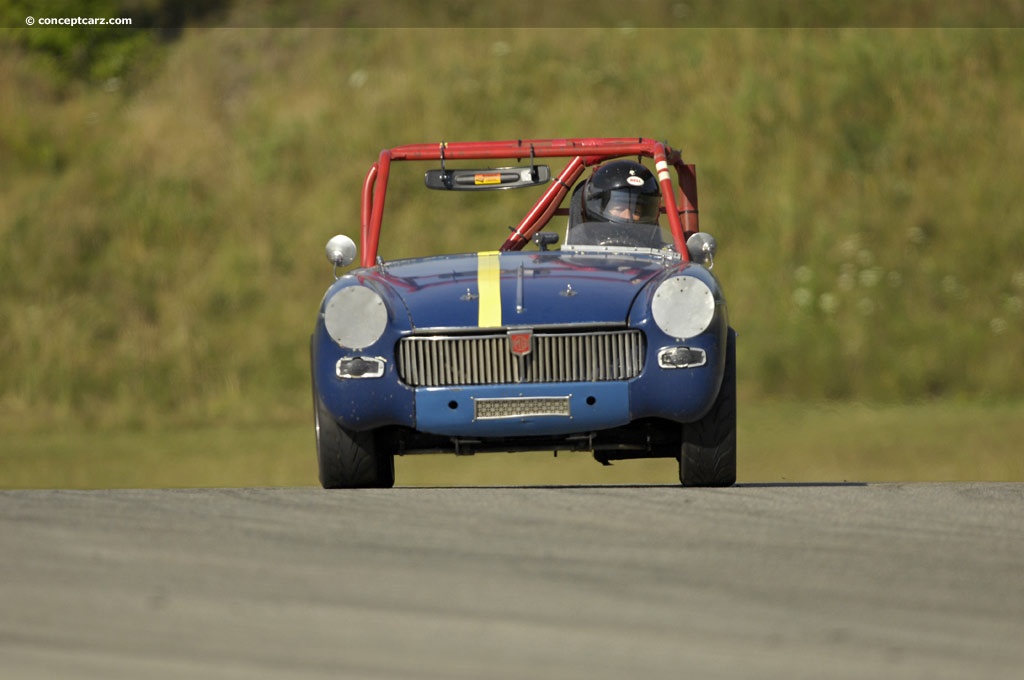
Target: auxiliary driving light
682	357
360	367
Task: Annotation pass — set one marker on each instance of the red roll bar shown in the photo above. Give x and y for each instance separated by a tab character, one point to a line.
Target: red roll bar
681	209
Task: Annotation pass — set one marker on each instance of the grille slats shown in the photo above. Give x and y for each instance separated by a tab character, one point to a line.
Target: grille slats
441	361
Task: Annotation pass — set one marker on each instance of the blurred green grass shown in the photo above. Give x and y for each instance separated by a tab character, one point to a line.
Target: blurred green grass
165	209
780	442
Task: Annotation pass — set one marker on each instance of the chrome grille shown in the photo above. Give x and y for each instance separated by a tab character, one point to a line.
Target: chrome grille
441	361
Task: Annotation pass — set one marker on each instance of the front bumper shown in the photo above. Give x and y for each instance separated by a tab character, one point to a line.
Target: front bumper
522	410
512	410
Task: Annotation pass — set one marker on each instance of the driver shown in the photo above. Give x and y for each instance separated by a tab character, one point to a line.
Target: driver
618	205
624	192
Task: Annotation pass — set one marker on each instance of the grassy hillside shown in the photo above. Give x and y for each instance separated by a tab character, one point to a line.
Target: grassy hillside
163	227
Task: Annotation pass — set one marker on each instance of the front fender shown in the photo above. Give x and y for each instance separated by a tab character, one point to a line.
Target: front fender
679	394
363	403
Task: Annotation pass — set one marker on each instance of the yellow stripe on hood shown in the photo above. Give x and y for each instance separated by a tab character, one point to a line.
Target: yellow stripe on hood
489	285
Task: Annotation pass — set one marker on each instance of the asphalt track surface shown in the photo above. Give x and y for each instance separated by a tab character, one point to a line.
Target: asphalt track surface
757	581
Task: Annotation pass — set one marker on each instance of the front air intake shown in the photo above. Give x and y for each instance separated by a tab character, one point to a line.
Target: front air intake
451	360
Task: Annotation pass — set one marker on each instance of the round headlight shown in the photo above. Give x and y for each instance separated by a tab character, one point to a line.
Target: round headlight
683	307
355	317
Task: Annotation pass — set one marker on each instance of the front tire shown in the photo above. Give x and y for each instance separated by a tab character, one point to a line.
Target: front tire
349	460
708	455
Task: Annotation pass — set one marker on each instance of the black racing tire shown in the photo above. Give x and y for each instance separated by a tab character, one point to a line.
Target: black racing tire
708	455
348	460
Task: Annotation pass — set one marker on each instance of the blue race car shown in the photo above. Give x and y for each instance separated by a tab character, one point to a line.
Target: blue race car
617	342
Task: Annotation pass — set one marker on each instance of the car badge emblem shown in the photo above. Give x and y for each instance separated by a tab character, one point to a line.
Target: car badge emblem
520	341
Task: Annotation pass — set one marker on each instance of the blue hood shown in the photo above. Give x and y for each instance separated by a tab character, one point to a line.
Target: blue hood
516	288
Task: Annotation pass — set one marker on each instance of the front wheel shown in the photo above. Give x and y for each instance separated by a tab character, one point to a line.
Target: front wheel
708	455
349	460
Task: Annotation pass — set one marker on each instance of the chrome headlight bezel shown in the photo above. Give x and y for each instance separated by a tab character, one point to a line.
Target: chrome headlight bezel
683	307
355	317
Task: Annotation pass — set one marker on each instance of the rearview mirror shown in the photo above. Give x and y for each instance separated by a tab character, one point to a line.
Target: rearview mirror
483	180
702	247
341	251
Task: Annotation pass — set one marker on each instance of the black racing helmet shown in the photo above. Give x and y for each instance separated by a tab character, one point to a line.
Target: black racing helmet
622	191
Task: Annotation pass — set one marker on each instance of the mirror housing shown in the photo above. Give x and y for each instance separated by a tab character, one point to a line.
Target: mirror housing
702	247
341	251
487	180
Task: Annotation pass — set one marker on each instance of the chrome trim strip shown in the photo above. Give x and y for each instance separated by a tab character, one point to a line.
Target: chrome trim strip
463	331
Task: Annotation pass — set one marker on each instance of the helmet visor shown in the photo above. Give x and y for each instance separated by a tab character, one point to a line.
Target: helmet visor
623	205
